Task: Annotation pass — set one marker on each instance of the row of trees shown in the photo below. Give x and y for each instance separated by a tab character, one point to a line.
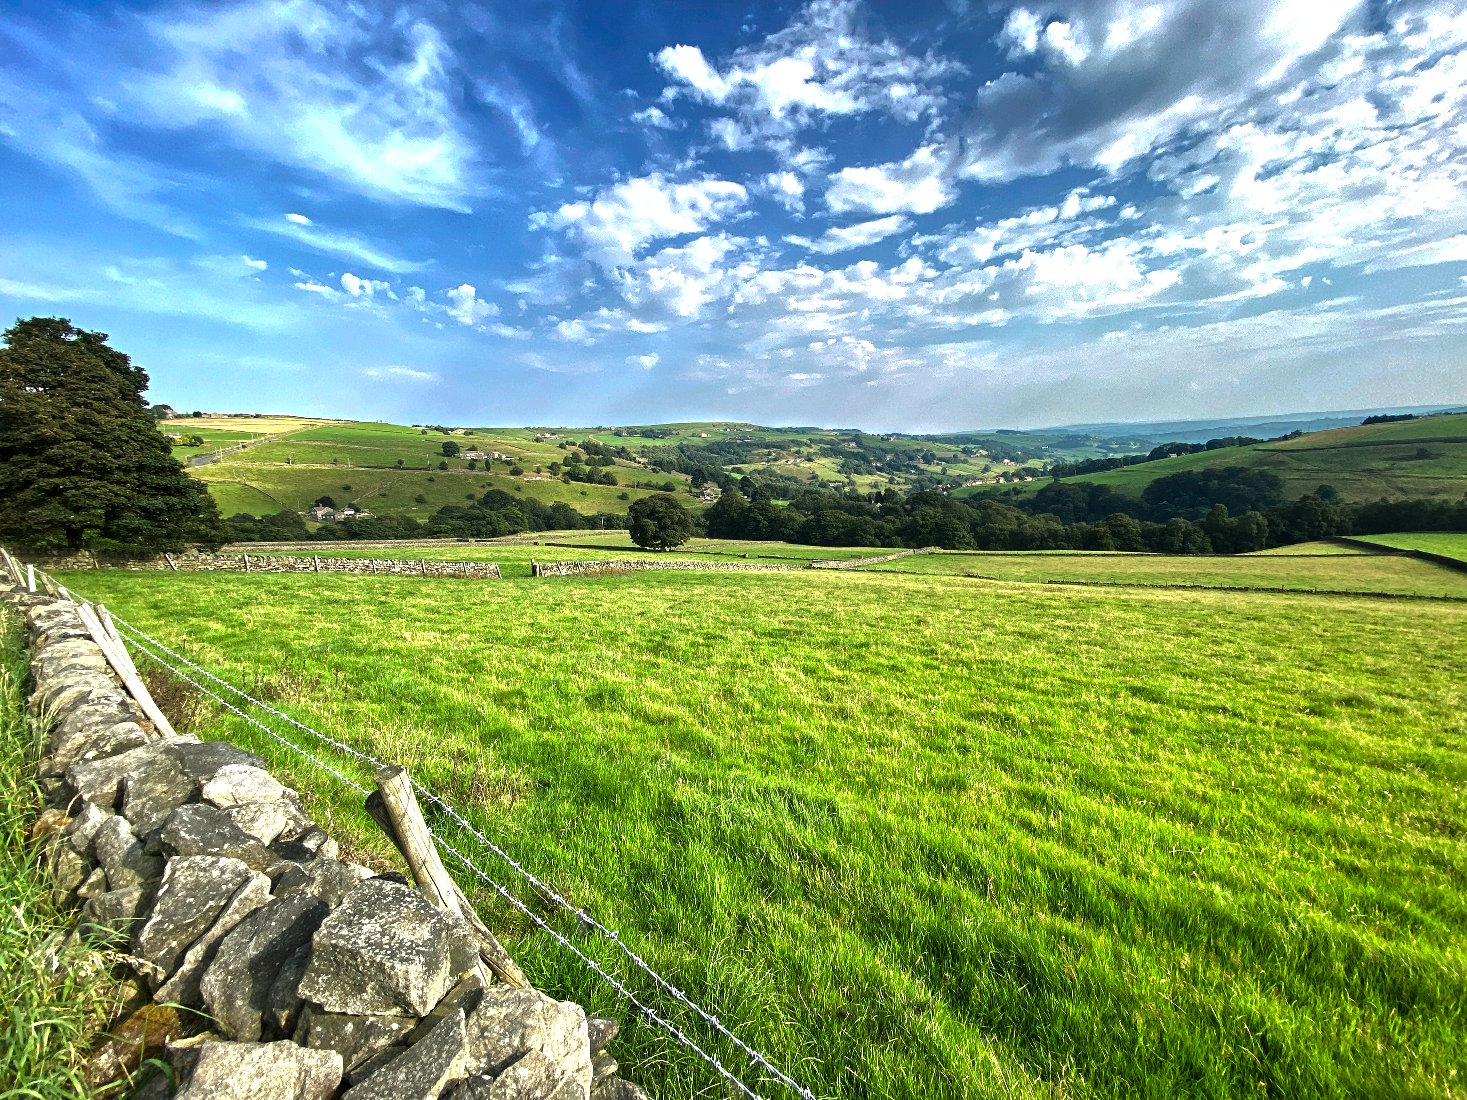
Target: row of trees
935	519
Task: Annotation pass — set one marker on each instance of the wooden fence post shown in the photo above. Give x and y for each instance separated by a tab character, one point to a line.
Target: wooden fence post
116	653
171	563
394	806
11	567
30	577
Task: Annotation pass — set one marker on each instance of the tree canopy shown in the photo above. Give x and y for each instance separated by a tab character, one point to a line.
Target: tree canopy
659	522
82	463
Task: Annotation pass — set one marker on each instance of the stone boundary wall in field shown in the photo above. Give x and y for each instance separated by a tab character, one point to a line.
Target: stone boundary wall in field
857	563
1403	551
205	561
310	976
644	565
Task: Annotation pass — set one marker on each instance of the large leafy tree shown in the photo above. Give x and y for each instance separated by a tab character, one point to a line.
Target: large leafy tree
82	463
659	522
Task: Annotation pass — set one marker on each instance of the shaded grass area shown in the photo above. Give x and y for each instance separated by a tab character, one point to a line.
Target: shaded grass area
52	995
1446	543
1346	572
915	837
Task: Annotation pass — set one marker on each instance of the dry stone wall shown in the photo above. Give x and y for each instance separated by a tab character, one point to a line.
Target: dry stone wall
311	976
857	563
643	565
271	563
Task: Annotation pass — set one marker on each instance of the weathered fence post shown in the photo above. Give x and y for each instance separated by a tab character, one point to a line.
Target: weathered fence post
246	562
110	643
171	563
316	558
394	806
12	568
30	577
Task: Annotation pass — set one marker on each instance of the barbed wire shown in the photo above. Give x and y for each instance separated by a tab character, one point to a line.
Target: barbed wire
348	780
146	643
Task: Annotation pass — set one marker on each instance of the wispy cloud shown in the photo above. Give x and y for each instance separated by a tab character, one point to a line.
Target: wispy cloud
364	100
401	374
343	245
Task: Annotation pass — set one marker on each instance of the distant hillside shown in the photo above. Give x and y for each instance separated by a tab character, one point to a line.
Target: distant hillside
1420	458
262	466
1262	427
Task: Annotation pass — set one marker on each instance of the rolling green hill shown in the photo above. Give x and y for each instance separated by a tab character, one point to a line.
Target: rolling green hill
387	468
1425	458
393	469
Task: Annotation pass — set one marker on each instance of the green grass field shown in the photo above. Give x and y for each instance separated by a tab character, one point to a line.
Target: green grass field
1362	573
918	837
1312	550
1447	544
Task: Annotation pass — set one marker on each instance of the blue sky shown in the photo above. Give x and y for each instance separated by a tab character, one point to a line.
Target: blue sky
915	215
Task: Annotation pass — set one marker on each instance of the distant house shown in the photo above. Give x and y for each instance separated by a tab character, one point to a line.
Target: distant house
473	455
710	493
326	514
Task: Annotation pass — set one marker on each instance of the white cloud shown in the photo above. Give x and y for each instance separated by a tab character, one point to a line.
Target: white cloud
358	287
400	374
823	64
616	224
918	185
860	235
467	308
298	219
785	188
680	281
310	286
646	362
258	265
654	117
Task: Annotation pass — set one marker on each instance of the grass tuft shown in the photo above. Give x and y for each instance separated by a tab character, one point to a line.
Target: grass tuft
52	990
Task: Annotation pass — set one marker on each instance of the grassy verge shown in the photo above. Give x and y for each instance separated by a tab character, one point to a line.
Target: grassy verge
919	837
52	993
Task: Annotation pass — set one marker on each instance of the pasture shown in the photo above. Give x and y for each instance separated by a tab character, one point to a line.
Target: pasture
359	463
1319	572
914	836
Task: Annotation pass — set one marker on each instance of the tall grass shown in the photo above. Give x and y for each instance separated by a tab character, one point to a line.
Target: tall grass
54	995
